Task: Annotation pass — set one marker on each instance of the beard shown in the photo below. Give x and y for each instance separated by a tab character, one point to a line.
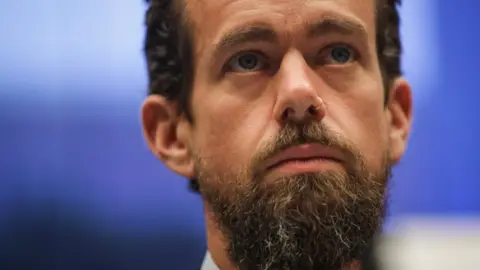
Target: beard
321	221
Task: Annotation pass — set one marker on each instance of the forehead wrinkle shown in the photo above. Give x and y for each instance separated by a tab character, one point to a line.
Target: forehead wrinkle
202	11
212	19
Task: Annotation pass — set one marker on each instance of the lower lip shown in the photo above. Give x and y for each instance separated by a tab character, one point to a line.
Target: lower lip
305	166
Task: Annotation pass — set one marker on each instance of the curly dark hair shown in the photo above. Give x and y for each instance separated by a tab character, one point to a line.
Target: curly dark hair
168	50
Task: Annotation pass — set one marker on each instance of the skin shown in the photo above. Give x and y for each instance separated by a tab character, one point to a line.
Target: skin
235	111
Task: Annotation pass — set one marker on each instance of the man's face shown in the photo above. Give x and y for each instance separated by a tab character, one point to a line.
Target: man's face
291	140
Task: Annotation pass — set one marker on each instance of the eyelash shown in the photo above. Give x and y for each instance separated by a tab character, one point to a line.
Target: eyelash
264	59
354	52
262	56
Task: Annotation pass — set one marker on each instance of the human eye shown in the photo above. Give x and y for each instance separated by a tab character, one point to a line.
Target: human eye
246	62
337	55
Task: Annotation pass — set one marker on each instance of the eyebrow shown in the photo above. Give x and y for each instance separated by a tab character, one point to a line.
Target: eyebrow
331	25
264	33
247	34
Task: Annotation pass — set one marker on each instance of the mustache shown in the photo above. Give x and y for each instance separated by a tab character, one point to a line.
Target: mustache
294	134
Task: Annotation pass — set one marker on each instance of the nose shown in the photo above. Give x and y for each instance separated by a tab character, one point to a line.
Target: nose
298	100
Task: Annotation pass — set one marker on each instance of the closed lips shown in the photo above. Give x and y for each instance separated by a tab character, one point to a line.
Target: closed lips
304	153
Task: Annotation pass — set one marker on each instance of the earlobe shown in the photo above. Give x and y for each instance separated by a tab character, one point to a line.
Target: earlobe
400	117
166	135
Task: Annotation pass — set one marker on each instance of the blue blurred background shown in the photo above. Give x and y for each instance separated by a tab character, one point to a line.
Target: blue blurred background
80	190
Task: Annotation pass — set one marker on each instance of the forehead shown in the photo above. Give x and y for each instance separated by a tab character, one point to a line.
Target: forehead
212	18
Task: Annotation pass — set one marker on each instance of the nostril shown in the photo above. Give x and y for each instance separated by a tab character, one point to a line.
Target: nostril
286	113
312	110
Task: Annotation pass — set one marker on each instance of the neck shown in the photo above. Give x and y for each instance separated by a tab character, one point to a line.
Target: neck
217	244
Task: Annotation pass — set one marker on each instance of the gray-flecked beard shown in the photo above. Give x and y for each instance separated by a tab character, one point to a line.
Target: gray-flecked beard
321	221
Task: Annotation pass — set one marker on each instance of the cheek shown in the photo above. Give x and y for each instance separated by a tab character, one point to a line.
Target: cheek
228	131
359	115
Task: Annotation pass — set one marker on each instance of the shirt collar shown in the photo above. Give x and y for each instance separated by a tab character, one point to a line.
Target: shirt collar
208	263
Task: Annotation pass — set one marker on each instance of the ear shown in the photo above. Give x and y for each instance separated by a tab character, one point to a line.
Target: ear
399	116
167	132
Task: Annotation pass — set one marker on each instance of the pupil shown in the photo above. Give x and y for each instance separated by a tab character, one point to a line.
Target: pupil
248	61
341	55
